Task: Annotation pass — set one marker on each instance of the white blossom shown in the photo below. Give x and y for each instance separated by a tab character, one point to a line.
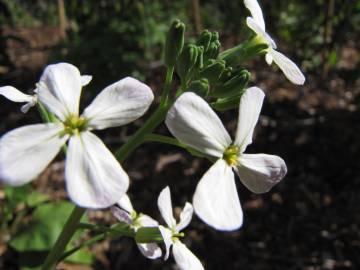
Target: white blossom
184	258
15	95
136	221
257	24
194	123
94	178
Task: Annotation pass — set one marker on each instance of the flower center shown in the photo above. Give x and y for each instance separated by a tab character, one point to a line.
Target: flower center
231	155
74	125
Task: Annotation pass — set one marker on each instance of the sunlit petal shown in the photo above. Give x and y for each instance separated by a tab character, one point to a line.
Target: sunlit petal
26	151
216	200
85	79
194	123
94	178
167	237
119	104
184	258
147	221
185	216
125	203
59	89
260	172
288	67
249	110
256	12
165	207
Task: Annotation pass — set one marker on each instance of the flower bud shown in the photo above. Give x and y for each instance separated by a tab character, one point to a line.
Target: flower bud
232	86
245	51
224	104
174	42
187	61
213	70
204	39
200	87
213	50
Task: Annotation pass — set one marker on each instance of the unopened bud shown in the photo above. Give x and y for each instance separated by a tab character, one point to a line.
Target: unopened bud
212	70
204	39
229	103
174	42
200	87
186	62
232	86
245	51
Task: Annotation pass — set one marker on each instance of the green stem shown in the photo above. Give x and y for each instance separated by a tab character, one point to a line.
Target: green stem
64	238
89	242
168	81
163	139
43	113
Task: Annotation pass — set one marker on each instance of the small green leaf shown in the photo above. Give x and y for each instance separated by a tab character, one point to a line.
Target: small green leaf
42	231
81	256
36	198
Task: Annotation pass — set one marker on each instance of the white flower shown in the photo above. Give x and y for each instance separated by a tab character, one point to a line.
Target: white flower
194	123
184	258
257	24
94	178
15	95
136	221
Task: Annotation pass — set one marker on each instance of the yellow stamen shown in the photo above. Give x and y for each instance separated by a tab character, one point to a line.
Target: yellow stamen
231	155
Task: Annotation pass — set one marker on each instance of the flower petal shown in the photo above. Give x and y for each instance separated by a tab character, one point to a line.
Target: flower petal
15	95
150	250
216	200
184	258
165	207
249	110
253	25
288	67
121	215
167	237
119	104
194	123
147	221
59	89
185	216
26	151
125	203
85	79
269	59
256	12
260	172
94	178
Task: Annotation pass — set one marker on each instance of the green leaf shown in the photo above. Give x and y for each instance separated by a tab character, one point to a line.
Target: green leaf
36	198
81	256
42	231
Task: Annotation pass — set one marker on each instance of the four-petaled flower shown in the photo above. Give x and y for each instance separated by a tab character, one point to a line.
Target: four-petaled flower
194	123
184	258
257	24
136	221
94	178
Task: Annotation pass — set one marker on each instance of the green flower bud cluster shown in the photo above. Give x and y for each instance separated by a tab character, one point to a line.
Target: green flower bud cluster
203	70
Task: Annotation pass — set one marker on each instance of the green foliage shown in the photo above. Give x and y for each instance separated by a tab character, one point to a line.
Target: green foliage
41	232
